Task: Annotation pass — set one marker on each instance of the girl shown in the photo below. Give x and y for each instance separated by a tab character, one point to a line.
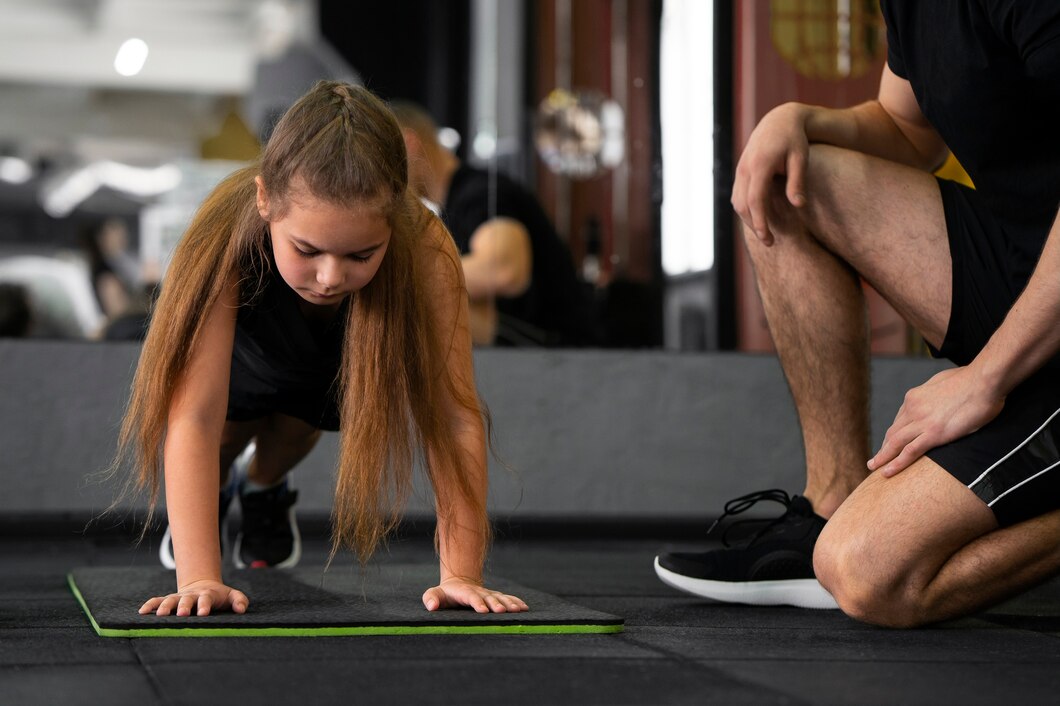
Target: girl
309	288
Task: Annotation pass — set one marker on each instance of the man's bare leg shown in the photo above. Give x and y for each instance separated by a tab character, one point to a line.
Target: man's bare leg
863	215
816	313
921	547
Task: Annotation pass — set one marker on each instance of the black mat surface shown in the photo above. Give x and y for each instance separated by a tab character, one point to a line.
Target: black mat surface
674	649
379	600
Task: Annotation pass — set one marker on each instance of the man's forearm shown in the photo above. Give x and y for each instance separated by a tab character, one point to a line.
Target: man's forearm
870	129
1029	336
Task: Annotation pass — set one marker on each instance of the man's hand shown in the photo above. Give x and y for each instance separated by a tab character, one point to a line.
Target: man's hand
457	592
778	147
198	598
952	404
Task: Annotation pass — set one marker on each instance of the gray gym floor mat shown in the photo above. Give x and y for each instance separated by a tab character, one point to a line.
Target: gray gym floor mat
377	600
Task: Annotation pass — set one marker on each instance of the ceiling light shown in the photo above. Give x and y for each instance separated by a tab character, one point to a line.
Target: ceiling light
15	170
131	57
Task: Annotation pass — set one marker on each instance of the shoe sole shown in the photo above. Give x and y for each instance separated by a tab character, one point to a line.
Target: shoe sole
801	593
165	551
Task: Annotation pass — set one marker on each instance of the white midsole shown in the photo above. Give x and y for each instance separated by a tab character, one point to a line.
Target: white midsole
802	593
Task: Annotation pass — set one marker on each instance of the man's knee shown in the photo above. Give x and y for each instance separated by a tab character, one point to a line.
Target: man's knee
824	199
862	587
785	221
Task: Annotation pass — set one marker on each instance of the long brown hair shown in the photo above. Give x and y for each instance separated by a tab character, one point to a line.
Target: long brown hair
338	143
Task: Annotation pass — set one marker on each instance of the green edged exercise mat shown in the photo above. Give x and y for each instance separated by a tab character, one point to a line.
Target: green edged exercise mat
307	602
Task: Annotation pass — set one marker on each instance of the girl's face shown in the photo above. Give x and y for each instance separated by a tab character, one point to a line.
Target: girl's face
323	251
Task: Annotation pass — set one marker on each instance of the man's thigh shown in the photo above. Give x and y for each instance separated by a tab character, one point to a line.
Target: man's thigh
887	222
892	533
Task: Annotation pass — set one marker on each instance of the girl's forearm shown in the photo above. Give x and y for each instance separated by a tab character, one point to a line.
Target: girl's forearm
462	533
461	549
192	476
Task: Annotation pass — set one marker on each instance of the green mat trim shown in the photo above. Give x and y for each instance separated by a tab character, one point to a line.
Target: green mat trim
507	629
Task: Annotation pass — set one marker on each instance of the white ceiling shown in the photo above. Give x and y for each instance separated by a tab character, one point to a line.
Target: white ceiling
61	98
195	45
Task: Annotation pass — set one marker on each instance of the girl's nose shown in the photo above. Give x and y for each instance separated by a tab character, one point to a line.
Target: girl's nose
329	274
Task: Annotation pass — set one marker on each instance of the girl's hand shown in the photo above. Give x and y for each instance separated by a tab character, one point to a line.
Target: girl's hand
455	592
199	597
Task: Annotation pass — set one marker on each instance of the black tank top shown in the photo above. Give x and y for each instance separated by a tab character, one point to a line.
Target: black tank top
278	350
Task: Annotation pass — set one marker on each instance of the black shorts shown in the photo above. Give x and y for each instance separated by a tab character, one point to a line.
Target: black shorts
316	407
1012	463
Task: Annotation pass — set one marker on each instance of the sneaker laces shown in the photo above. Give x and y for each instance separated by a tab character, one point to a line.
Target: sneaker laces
745	503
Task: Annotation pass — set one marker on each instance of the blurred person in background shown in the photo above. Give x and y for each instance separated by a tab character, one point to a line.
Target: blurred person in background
521	280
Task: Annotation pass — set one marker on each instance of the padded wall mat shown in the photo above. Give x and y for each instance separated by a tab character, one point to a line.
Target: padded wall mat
377	600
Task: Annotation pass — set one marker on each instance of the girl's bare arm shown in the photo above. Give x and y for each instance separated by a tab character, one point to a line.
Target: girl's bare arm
461	538
192	468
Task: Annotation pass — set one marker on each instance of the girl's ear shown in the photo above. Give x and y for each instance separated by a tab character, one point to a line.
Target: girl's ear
262	198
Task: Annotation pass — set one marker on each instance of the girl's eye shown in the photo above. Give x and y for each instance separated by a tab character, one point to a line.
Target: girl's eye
358	258
305	253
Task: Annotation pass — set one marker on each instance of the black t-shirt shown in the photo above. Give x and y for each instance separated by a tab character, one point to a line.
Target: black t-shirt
551	311
986	74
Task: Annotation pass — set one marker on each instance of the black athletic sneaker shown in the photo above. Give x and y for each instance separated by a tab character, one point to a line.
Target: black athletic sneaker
269	536
774	567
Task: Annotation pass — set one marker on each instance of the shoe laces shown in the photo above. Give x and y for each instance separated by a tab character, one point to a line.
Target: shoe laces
745	503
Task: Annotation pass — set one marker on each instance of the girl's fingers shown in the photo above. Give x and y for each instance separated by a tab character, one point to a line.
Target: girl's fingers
186	605
150	606
239	602
517	604
199	603
167	605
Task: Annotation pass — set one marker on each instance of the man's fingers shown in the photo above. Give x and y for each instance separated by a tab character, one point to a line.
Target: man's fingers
898	436
911	450
756	208
796	168
909	454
